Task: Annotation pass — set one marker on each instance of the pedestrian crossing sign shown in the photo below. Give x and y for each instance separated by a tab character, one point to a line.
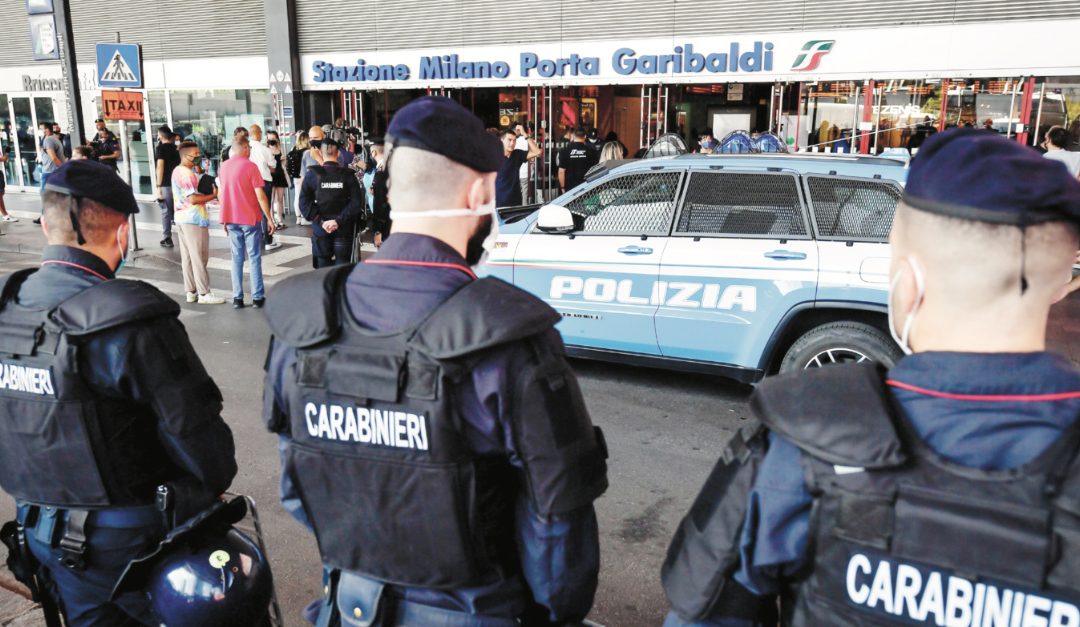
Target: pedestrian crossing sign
119	65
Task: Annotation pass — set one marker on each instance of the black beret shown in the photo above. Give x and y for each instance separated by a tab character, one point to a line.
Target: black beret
442	126
90	179
970	174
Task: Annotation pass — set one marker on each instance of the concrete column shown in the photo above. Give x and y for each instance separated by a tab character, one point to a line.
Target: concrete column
284	60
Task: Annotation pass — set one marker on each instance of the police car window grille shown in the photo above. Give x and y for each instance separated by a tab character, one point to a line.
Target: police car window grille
636	204
846	208
733	203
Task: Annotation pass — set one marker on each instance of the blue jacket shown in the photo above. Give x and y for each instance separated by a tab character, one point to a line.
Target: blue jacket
409	277
989	411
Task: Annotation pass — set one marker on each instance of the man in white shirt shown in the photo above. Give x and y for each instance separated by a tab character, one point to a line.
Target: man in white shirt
522	143
1056	140
264	160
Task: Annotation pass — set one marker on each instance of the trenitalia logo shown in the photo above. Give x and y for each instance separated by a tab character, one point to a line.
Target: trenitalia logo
812	51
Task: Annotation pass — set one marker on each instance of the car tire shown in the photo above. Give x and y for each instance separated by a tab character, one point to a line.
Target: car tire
840	342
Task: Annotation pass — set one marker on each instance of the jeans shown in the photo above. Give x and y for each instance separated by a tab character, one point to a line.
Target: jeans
44	179
166	212
246	238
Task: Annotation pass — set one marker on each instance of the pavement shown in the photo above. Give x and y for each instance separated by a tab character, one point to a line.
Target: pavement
664	429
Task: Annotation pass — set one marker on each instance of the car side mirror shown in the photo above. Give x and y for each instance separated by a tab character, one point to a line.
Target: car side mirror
555	219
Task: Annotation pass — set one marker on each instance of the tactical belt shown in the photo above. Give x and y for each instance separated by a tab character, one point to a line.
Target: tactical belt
73	543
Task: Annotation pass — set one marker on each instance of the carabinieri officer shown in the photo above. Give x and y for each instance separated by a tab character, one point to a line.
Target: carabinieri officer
433	435
102	400
332	199
945	491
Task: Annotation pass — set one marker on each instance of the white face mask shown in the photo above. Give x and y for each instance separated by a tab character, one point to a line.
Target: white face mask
123	250
920	285
483	210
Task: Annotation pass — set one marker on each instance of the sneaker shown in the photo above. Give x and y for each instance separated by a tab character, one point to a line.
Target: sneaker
37	220
302	222
258	303
191	297
166	243
280	225
238	303
10	218
210	299
273	245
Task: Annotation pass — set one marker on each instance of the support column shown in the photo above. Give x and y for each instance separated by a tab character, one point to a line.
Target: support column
945	104
865	135
70	69
1025	110
283	58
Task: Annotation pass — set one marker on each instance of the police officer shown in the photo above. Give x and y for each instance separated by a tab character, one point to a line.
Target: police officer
102	400
433	435
332	199
945	490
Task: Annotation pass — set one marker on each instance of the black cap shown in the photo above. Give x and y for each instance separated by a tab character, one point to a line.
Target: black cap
974	175
89	179
970	174
99	120
377	141
442	126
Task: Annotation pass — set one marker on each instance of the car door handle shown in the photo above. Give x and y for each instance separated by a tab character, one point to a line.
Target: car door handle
637	250
785	255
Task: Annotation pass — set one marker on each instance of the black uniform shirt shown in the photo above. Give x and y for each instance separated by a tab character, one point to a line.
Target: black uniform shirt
576	159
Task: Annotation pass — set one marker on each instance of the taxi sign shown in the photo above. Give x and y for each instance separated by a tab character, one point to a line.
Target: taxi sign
122	105
119	65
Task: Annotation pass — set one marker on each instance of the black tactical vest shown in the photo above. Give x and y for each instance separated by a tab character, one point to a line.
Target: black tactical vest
332	193
377	451
901	535
52	446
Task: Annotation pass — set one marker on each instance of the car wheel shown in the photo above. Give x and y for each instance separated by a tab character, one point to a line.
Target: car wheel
839	343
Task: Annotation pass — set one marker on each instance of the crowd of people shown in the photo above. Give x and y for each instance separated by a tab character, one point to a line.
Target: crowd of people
438	445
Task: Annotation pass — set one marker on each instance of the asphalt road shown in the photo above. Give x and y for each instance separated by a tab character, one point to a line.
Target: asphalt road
664	431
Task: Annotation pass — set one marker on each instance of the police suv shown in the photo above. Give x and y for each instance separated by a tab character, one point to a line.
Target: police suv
740	265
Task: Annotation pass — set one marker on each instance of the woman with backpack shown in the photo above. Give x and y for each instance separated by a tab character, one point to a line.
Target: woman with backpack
292	168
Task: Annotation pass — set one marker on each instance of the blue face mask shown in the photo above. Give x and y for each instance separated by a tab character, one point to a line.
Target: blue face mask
123	251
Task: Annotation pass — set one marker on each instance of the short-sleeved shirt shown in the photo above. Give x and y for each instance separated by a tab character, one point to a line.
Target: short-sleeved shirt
1070	159
309	161
238	179
263	159
47	143
507	183
168	153
185	184
576	159
523	144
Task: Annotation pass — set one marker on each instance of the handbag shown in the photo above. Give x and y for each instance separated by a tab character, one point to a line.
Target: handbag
206	184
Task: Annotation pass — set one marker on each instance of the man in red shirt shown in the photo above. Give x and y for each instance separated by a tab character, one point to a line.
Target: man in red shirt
243	204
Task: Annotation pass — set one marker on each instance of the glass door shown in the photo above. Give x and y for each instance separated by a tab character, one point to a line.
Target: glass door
26	137
7	143
139	156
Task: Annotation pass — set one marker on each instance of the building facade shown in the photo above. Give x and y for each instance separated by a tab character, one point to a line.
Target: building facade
822	75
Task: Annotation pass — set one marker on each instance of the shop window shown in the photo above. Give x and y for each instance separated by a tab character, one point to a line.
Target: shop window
742	204
208	117
636	204
852	209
